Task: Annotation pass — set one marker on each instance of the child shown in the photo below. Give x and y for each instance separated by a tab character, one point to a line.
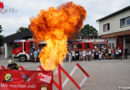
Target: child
35	55
73	55
100	56
109	53
84	55
92	55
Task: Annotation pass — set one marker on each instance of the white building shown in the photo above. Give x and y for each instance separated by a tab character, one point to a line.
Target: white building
116	28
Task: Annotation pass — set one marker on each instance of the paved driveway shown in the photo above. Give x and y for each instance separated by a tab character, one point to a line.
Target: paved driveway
104	74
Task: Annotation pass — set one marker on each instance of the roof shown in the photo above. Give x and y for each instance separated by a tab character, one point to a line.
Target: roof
20	35
115	13
116	34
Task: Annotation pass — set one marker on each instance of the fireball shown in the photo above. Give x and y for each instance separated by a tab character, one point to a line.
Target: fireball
54	26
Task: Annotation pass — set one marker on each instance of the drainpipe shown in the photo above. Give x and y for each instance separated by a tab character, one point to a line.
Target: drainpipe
124	44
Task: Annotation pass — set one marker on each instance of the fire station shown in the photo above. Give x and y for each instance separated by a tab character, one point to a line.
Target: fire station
8	41
116	29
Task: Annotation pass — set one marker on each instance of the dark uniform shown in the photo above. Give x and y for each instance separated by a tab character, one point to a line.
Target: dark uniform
13	66
77	55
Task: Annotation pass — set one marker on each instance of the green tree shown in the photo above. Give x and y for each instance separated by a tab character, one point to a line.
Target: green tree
21	29
88	32
1	36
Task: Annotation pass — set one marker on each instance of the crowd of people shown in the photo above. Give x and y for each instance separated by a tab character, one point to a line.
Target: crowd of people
34	53
98	54
80	55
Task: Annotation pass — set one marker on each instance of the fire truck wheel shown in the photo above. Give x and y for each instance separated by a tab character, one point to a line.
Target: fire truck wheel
22	58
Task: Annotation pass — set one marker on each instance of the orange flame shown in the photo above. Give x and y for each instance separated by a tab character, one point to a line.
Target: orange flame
54	26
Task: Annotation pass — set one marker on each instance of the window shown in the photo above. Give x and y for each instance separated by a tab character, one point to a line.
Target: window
31	44
87	45
24	46
106	27
111	45
79	46
41	45
71	46
125	22
16	45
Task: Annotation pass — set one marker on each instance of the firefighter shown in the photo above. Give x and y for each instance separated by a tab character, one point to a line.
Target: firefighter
12	65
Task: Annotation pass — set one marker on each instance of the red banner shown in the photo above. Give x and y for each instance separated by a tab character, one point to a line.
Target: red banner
25	80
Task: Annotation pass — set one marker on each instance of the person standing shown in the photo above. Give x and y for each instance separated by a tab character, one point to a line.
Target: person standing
103	54
96	54
117	54
84	55
126	53
106	53
100	56
35	55
73	55
92	55
113	53
89	55
81	55
77	55
120	53
31	54
39	50
109	53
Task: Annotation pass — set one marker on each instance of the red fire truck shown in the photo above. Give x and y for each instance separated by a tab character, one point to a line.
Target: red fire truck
90	44
21	49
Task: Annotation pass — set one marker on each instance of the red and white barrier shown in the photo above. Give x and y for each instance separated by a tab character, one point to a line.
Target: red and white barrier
67	79
74	69
59	68
61	86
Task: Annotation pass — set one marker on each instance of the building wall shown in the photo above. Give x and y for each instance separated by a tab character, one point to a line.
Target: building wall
114	23
2	50
8	50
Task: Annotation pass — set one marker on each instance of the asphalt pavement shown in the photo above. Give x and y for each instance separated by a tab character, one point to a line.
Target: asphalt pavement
104	74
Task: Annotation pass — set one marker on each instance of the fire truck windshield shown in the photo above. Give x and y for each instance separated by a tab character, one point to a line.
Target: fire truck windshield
16	45
79	46
87	46
41	45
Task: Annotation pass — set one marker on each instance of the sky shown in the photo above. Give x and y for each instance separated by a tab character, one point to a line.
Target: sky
20	11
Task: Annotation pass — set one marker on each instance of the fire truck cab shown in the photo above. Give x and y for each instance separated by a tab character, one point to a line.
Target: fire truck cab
21	49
